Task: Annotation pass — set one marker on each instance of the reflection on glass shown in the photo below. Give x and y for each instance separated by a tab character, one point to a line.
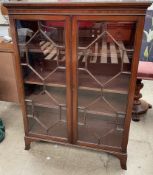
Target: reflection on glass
105	52
42	53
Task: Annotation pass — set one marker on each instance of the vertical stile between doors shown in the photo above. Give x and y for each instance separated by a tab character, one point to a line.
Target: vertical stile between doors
69	79
75	78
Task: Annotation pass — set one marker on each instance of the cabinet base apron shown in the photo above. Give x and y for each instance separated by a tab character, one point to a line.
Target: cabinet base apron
120	155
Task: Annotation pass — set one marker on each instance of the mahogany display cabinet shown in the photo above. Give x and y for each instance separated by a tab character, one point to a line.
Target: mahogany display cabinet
76	64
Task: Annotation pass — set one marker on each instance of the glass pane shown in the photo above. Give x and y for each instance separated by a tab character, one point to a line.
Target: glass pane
105	52
42	53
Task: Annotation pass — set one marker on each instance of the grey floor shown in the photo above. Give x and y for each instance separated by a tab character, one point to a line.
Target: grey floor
51	159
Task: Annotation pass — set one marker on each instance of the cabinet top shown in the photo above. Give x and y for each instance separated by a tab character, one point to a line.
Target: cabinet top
71	7
106	3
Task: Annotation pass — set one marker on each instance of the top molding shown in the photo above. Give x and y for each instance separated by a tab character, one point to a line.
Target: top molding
73	6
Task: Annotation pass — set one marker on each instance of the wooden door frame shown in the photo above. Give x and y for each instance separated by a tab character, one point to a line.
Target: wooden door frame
139	20
20	82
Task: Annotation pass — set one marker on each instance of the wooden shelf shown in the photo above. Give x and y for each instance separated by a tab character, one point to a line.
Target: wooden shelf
57	79
117	102
85	81
119	85
43	99
92	102
35	48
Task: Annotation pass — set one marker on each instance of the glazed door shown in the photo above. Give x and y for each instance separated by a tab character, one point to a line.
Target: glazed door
45	64
102	62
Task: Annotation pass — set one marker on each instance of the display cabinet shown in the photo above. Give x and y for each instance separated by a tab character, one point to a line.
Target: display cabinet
76	65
